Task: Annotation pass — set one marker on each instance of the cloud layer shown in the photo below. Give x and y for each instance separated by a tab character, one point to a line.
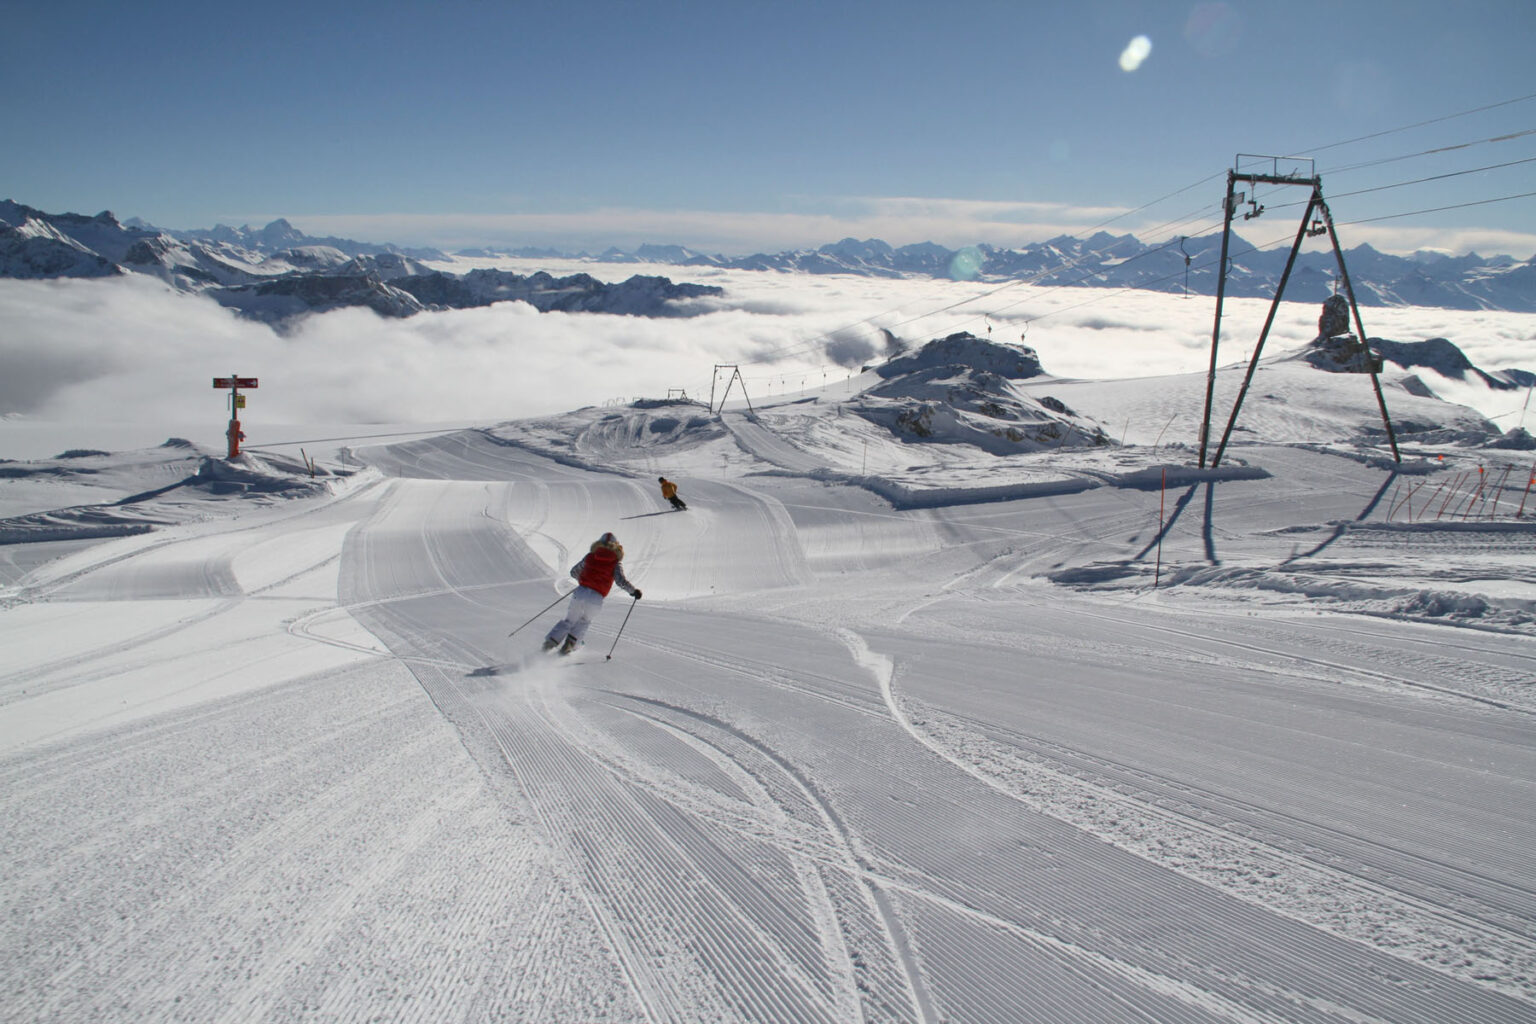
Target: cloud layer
133	351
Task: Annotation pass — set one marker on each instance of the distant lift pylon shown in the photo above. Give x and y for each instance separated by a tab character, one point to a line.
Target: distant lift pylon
734	377
1309	227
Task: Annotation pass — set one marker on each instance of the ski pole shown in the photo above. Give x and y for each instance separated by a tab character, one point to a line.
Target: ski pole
621	628
540	612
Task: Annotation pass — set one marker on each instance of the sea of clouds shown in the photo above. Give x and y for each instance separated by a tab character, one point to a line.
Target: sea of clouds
133	360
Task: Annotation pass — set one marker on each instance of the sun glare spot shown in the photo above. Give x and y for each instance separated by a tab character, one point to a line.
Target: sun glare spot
1138	50
965	265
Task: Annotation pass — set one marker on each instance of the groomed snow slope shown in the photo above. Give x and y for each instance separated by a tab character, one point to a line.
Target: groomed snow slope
869	748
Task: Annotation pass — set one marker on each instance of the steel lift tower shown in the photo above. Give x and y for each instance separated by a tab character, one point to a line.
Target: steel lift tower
1317	220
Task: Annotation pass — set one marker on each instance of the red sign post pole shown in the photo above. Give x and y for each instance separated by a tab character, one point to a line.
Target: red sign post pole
236	402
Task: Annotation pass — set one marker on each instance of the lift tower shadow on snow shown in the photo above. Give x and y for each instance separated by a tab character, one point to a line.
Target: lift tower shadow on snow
1315	221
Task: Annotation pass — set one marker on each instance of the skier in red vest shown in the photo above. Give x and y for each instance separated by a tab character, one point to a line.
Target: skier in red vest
595	575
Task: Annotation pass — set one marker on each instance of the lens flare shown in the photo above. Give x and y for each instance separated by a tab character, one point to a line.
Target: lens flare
965	265
1136	51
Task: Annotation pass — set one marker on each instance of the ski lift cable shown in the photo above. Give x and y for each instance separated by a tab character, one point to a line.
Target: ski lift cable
1148	206
1418	124
1416	181
1436	151
1439	209
1437	177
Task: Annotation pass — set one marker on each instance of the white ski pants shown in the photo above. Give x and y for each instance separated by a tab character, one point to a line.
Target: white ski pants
584	606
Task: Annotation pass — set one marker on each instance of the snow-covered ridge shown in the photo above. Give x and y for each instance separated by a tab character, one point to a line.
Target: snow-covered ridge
277	274
1103	260
1123	261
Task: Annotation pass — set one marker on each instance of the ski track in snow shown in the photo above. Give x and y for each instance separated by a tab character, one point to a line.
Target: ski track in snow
1290	863
946	789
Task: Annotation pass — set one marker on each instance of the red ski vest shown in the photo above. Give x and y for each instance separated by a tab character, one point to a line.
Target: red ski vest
597	570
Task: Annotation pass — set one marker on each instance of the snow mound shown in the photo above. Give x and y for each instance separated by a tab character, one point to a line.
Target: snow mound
1375	568
84	522
960	390
645	429
598	437
91	477
249	474
962	405
1016	362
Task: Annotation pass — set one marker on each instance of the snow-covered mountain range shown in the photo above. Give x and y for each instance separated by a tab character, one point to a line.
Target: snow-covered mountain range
275	272
1182	266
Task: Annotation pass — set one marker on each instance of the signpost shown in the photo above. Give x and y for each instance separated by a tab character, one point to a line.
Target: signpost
236	402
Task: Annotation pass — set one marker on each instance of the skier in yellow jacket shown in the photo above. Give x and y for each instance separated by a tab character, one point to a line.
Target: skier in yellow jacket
669	491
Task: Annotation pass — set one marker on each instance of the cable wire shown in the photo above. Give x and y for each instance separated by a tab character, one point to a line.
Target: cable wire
1415	181
1433	152
1438	209
1418	124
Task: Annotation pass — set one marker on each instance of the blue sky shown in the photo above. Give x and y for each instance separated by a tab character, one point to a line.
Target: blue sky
738	127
